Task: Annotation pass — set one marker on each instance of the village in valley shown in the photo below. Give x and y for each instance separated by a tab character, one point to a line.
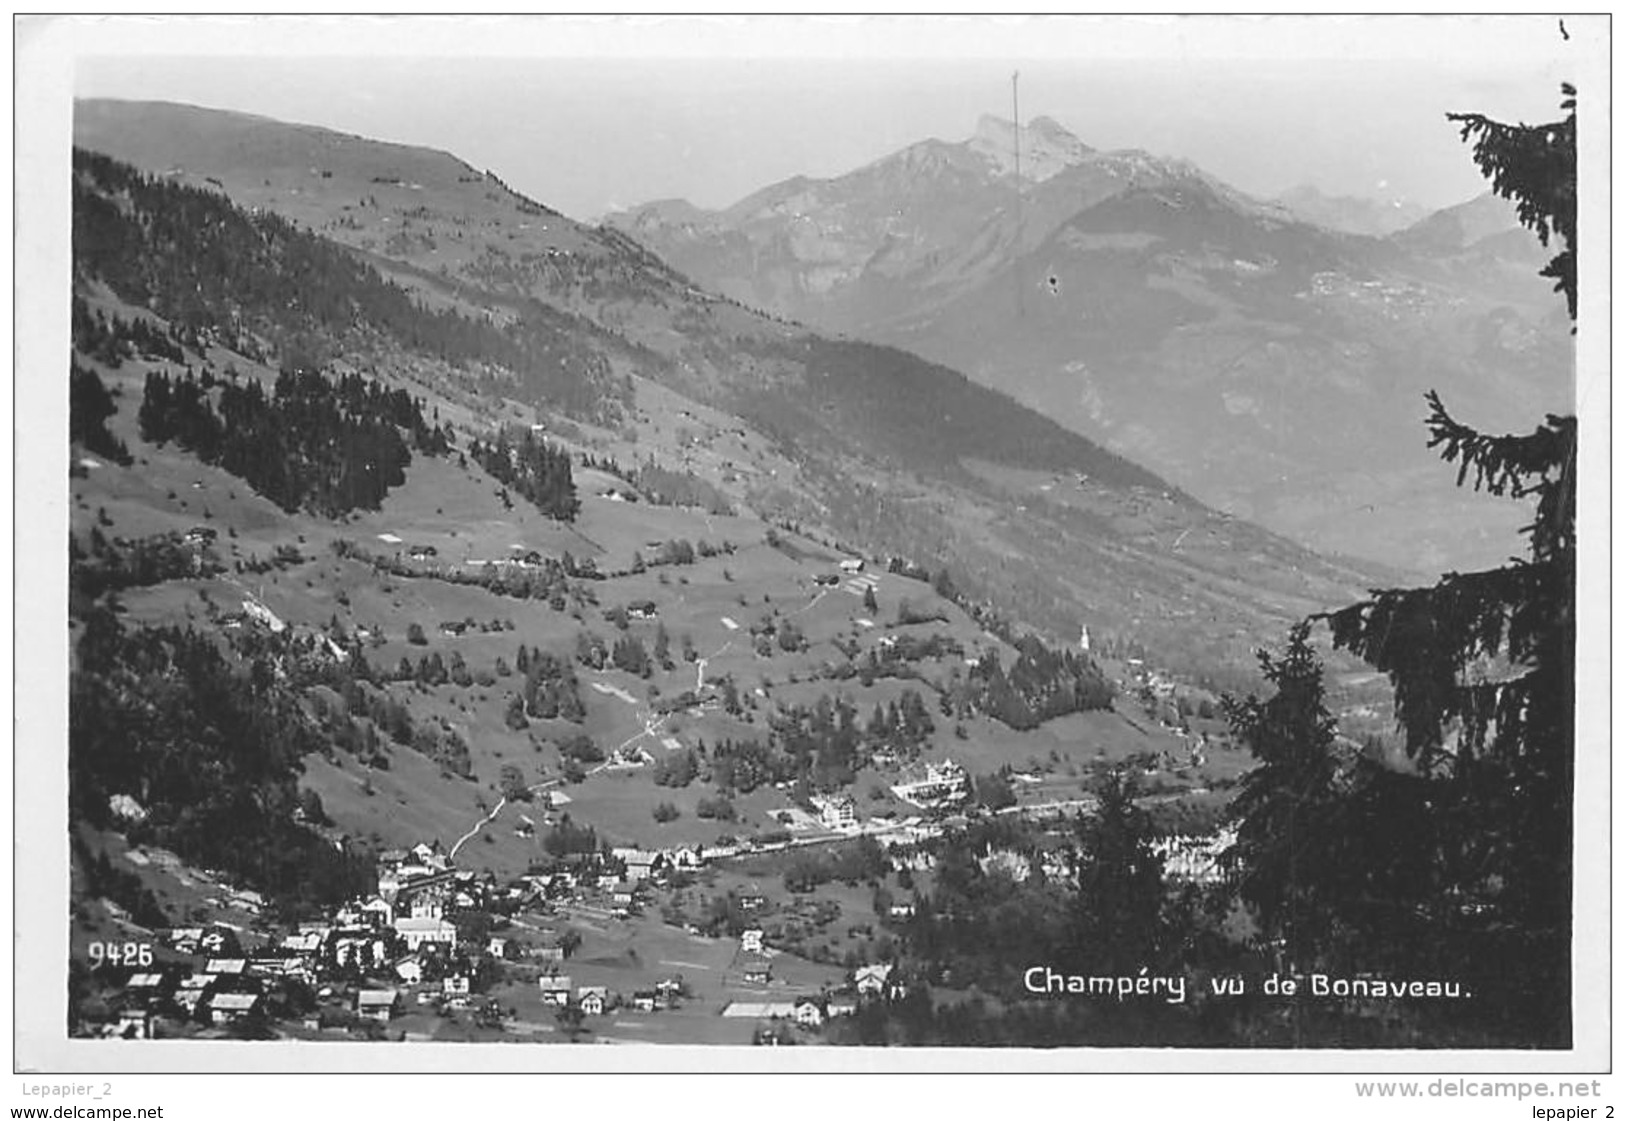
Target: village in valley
667	771
442	952
771	935
540	903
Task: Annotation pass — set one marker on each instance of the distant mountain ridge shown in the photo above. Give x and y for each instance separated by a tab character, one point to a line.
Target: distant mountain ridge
1249	350
1352	214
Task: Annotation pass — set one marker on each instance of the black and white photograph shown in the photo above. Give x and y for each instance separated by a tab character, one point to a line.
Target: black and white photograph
968	540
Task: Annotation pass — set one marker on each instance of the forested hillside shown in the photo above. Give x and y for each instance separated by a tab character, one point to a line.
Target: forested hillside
267	287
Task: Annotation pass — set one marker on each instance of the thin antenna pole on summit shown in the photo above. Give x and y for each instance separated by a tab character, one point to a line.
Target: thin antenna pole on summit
1015	111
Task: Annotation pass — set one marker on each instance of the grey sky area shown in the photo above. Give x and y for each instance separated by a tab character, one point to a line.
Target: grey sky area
592	115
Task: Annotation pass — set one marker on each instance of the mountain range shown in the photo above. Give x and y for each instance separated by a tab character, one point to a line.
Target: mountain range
1268	363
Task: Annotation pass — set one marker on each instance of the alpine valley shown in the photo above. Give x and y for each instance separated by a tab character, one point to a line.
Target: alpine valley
485	622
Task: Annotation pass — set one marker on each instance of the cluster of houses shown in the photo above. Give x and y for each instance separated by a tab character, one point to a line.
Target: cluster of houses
869	982
1018	866
358	955
1198	859
410	944
598	1000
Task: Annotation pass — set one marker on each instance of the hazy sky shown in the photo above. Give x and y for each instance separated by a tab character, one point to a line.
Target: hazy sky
589	114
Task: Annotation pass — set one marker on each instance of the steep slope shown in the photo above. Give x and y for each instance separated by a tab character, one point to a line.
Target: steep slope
873	441
312	618
1271	366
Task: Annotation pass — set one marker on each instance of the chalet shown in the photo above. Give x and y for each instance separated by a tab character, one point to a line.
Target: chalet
280	965
430	856
872	980
752	900
378	912
686	857
592	1000
200	535
548	952
851	564
226	1008
264	616
378	1004
555	990
497	947
192	990
644	1000
148	990
217	943
750	942
826	580
642	609
622	897
422	552
132	1023
842	1005
758	974
808	1014
410	969
455	984
454	627
902	911
644	865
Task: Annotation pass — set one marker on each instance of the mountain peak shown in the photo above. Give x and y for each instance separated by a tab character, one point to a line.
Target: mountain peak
1047	148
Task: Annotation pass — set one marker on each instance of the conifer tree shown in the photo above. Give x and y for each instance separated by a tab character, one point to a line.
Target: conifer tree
1482	666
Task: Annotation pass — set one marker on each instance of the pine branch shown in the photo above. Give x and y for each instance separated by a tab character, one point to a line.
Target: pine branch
1541	464
1534	167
